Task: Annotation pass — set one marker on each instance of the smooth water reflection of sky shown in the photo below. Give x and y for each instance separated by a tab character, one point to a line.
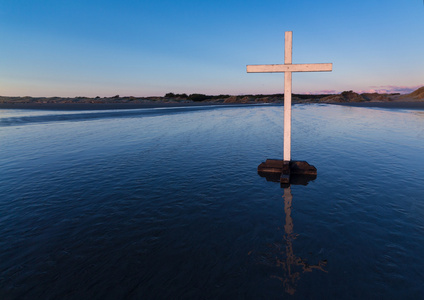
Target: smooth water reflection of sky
148	205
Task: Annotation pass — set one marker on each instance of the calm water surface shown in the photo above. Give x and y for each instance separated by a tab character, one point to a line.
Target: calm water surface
167	204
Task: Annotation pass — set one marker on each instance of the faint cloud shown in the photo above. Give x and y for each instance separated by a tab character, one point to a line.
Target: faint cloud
389	89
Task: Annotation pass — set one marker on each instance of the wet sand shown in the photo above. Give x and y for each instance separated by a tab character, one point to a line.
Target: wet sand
396	104
99	106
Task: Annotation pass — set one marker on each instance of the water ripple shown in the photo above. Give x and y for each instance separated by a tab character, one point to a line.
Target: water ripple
168	204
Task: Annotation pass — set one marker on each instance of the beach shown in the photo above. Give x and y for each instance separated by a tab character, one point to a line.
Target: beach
99	106
396	104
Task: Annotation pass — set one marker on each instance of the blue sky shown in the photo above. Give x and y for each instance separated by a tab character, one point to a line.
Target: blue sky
148	48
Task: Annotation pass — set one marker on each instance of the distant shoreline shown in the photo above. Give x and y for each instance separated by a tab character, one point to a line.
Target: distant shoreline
112	106
414	100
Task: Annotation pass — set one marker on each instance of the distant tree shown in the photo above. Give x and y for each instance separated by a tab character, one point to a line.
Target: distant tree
198	97
172	95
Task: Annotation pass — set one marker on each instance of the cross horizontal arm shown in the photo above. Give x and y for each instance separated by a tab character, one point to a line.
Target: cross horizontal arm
289	68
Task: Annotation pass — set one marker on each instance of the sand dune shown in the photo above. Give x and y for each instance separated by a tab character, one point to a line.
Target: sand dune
417	94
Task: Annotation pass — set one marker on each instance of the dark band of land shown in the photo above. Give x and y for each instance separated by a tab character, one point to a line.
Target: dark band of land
112	106
414	100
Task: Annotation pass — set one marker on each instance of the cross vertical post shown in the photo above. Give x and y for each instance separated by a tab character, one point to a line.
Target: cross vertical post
287	96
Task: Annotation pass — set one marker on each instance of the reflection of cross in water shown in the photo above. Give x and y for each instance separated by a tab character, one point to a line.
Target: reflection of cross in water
290	276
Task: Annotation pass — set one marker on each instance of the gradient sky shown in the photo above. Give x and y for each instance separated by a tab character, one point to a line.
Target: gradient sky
148	48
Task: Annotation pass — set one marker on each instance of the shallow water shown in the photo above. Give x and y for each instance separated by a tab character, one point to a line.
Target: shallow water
167	203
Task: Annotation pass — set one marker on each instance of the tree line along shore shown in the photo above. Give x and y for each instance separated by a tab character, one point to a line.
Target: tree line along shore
344	97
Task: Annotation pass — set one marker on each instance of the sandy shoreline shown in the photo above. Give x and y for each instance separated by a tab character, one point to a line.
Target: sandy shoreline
109	106
396	104
99	106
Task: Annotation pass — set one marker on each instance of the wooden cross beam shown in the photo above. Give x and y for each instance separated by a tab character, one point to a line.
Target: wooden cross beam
288	68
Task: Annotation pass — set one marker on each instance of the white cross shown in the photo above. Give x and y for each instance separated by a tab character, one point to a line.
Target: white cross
288	68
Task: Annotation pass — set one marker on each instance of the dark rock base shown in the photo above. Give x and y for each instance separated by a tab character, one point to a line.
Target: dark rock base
287	172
